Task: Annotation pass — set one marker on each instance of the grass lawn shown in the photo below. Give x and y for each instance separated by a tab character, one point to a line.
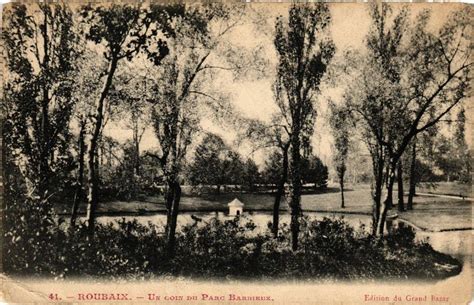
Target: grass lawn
431	213
446	188
357	201
444	214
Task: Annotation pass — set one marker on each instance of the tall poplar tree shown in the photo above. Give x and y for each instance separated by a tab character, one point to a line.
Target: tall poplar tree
304	52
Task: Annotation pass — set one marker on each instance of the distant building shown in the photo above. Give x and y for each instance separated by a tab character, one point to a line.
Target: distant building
236	207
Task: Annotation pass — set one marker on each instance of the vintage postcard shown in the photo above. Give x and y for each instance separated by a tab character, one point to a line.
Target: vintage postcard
229	152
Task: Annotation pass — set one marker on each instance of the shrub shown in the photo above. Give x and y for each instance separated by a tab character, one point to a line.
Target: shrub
30	238
330	249
402	236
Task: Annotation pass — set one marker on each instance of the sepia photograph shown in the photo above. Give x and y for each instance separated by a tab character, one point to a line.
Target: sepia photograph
216	152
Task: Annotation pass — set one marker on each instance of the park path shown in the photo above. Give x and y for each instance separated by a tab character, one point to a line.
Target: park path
445	196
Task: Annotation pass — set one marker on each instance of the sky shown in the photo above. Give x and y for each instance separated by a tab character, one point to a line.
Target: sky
254	98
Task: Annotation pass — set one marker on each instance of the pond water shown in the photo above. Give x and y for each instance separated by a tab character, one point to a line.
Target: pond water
261	219
455	243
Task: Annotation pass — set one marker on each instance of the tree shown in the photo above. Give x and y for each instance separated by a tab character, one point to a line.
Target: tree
121	30
421	153
413	175
272	135
207	162
462	150
444	156
401	202
118	178
80	172
303	54
450	152
340	126
315	172
232	169
356	169
41	47
129	95
180	91
282	173
372	105
86	87
410	79
251	174
271	173
216	164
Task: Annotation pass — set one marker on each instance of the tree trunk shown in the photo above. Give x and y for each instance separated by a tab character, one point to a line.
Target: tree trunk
45	152
413	181
341	184
93	185
401	203
280	192
378	171
43	184
390	172
169	198
171	234
45	148
387	203
137	159
136	140
80	176
92	176
376	207
295	193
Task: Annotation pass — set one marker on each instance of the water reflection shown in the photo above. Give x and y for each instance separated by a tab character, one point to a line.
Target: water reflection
261	219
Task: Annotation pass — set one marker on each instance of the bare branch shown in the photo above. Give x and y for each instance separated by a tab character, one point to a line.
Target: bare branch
439	117
203	94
